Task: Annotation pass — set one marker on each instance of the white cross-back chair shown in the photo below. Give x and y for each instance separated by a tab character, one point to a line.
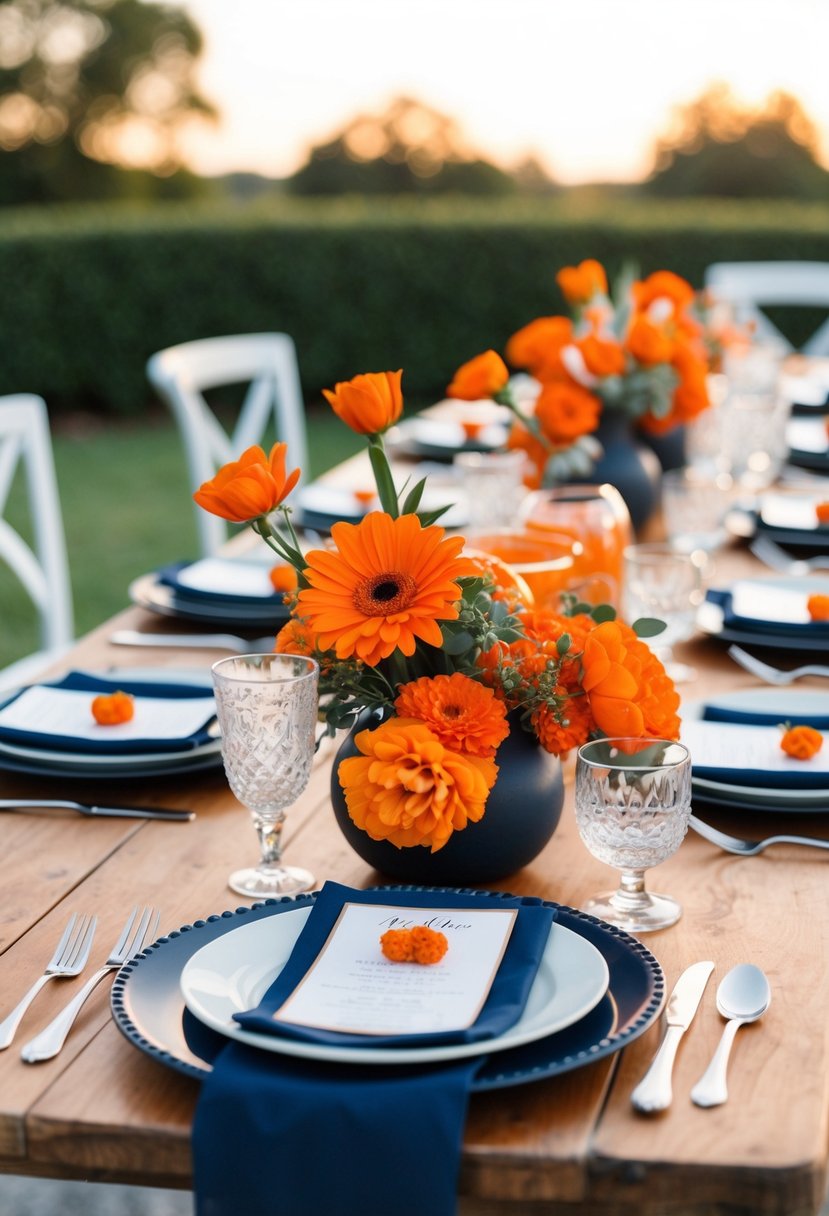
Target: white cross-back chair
267	362
41	567
749	286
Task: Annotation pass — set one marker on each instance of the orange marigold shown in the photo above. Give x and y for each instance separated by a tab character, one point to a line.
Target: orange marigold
421	944
396	945
113	708
818	607
463	713
538	346
389	583
565	412
801	742
409	788
249	487
368	403
626	684
579	284
822	512
481	377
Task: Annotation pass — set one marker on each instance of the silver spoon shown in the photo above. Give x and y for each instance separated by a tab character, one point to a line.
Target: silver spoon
743	996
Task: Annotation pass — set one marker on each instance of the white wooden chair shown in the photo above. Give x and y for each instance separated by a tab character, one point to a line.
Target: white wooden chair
748	286
41	567
267	362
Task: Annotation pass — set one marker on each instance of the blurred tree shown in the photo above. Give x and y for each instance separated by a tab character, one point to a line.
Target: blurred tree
410	148
717	147
87	86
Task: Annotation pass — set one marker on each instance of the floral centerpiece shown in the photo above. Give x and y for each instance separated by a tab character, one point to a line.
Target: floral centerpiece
436	652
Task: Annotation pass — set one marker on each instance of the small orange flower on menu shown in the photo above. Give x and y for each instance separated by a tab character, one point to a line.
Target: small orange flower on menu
801	742
822	512
818	607
420	944
250	487
370	403
579	284
482	377
113	708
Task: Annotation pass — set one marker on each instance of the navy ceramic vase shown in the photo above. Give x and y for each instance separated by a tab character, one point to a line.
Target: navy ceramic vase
522	812
625	464
669	448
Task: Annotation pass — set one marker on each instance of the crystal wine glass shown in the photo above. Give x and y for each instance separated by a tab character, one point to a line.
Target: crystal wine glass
267	708
633	800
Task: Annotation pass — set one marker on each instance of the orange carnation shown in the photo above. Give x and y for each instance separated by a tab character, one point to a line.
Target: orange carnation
463	713
410	789
801	742
389	583
249	487
628	689
602	357
484	376
818	607
369	403
113	708
538	346
649	343
822	512
579	284
283	577
565	412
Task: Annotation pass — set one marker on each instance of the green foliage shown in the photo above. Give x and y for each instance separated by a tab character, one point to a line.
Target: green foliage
92	293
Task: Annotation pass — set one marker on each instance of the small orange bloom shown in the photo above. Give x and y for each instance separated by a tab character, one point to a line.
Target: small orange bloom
559	732
565	412
602	357
396	945
369	403
822	512
663	285
538	346
295	638
484	376
463	713
649	343
818	607
113	708
472	430
249	487
628	689
408	788
421	944
579	284
801	742
283	577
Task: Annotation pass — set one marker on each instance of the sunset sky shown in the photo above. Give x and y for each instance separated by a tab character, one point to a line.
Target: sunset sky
585	85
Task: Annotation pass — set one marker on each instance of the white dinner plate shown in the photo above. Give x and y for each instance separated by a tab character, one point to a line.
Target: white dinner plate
711	619
232	973
147	592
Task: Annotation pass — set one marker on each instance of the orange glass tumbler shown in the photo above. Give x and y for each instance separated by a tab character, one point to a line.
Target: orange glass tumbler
545	560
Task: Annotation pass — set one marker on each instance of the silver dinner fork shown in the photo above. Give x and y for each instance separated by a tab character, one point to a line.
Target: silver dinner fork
749	848
772	555
773	675
133	938
69	959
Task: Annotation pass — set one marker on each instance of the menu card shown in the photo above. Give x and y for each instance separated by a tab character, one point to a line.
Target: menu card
769	602
354	989
797	512
41	710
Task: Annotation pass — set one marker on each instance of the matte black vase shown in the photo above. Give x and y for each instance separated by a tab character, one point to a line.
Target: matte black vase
522	812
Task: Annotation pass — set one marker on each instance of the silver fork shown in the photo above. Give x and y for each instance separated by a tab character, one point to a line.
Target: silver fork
773	675
69	959
772	555
133	938
749	848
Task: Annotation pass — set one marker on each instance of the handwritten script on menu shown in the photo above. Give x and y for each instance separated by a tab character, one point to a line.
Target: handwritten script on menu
352	988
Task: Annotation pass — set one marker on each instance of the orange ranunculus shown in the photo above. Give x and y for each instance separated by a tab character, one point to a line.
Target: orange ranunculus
410	789
283	577
579	284
484	376
560	731
538	346
463	713
649	343
389	582
113	708
565	412
249	487
628	689
818	607
801	742
602	356
663	285
369	403
822	512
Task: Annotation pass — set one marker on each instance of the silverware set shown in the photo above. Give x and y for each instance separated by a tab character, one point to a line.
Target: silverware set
68	961
773	675
743	996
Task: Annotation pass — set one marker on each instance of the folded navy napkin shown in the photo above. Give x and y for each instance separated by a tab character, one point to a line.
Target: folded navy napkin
345	1139
751	624
169	576
753	717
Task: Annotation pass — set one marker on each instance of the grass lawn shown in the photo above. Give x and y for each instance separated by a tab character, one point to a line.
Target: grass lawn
126	510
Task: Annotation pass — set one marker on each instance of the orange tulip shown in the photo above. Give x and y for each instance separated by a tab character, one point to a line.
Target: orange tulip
249	487
369	403
482	377
579	284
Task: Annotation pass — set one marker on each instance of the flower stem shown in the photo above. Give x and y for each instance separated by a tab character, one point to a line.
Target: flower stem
382	475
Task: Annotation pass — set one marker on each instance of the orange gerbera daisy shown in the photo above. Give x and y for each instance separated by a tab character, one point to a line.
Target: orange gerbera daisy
388	584
628	689
463	714
247	488
481	377
409	788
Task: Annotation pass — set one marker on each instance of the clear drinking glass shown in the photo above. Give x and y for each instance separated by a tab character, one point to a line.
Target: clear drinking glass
662	583
267	710
633	800
494	486
694	507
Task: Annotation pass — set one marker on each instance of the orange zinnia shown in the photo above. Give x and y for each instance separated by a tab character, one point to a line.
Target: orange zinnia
538	346
409	788
463	714
801	742
626	684
369	403
565	412
484	376
388	584
579	284
249	487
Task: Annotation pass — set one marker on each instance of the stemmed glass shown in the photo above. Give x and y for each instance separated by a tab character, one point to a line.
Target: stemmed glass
267	708
633	800
662	583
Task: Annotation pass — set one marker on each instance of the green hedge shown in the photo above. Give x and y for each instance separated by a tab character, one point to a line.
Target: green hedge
88	294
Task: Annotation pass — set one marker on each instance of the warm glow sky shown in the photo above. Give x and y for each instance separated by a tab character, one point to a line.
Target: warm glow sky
585	85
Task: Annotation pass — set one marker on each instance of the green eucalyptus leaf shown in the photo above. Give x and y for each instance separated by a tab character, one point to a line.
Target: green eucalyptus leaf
563	643
647	627
603	612
459	642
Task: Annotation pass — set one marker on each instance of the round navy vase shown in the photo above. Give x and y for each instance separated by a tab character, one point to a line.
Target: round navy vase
625	464
668	447
522	812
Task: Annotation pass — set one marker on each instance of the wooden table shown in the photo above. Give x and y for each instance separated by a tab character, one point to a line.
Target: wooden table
104	1111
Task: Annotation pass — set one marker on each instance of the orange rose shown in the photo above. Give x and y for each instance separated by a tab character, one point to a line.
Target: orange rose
801	742
249	487
579	284
663	285
626	684
482	377
602	357
369	403
648	343
113	708
818	607
538	346
565	412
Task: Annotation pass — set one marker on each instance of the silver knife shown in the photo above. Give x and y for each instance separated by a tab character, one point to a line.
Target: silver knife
83	808
653	1092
